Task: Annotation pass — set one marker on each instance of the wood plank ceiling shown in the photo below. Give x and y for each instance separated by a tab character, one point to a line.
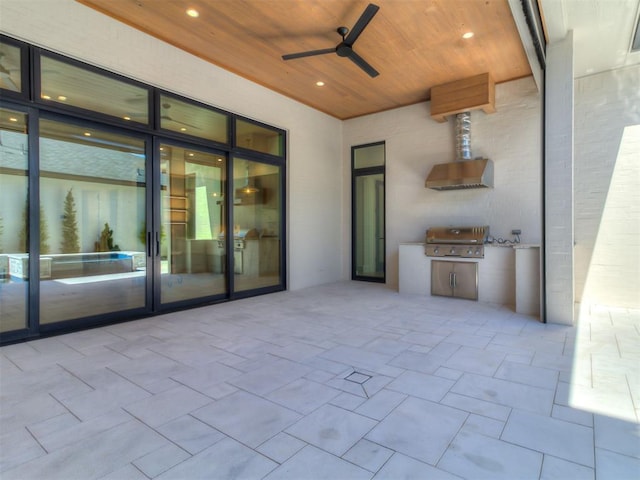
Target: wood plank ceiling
414	44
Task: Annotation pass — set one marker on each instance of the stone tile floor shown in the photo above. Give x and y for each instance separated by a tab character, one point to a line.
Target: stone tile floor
342	381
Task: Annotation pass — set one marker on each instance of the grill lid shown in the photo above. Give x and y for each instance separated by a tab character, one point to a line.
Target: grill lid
459	235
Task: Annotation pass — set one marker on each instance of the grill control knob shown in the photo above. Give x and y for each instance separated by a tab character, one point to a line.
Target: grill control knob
469	252
436	250
478	252
452	251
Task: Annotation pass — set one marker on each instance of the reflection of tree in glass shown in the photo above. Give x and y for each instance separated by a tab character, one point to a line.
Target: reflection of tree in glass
70	242
105	243
44	232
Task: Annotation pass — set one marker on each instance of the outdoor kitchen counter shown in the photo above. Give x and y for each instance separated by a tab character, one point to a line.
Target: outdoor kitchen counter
507	275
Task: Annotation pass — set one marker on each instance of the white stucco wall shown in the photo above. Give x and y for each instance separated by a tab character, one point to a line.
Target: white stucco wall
314	207
607	197
414	143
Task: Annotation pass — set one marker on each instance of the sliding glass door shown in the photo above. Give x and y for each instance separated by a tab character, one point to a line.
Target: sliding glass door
14	220
257	214
192	224
92	210
119	200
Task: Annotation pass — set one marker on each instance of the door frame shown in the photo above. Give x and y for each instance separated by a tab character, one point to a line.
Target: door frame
355	174
154	226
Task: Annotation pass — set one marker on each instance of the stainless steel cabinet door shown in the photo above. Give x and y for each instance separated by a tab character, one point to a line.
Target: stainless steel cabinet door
441	278
454	279
465	280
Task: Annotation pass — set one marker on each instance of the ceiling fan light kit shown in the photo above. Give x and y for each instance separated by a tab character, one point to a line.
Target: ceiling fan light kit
345	48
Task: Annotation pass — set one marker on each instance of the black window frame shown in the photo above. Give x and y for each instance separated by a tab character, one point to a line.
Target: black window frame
355	173
28	101
24	93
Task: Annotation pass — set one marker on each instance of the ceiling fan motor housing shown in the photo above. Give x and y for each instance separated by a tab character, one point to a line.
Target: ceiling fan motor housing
343	50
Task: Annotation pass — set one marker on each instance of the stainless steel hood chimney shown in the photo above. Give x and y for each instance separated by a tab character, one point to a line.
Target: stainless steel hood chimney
464	173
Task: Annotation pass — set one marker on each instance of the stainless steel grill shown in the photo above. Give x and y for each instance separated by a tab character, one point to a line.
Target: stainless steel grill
464	242
240	236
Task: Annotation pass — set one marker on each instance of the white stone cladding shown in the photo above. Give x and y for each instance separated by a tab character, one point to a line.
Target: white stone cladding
558	242
607	188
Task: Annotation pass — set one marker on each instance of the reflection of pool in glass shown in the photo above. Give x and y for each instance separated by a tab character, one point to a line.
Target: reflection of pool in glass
75	265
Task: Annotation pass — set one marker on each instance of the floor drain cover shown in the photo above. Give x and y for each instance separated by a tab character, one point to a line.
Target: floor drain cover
357	377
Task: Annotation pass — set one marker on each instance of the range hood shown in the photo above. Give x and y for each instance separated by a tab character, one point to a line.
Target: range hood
461	175
464	173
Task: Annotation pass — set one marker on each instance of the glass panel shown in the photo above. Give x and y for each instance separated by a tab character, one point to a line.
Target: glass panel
371	156
191	248
257	213
369	226
193	120
70	85
260	139
10	71
92	204
14	256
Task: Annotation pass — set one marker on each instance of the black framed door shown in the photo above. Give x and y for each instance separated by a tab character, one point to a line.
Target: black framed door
120	200
189	221
368	245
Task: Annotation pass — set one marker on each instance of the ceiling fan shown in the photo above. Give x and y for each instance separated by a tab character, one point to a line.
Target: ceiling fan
164	113
345	48
166	116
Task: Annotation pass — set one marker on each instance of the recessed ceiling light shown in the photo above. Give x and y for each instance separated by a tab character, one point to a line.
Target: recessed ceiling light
192	12
87	134
191	154
127	118
320	83
183	129
62	98
46	97
467	35
13	119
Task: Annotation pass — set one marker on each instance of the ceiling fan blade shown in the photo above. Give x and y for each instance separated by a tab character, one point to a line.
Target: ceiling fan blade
6	79
362	63
310	53
362	22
